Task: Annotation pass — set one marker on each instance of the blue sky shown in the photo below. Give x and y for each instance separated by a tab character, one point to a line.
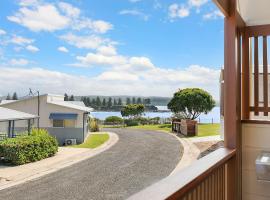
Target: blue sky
108	47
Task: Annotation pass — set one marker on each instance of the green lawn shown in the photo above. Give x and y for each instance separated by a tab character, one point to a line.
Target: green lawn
203	129
93	141
208	129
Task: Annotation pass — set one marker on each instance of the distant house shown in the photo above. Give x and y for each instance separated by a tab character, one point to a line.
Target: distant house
63	119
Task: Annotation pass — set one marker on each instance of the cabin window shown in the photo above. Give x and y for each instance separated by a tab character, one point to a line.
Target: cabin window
64	123
58	123
69	123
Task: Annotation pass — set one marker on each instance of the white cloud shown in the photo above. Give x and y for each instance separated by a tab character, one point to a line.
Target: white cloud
156	82
216	14
87	42
28	2
97	26
69	10
107	50
92	59
101	26
135	12
63	49
40	18
19	40
140	63
197	3
178	11
32	48
2	32
18	62
117	76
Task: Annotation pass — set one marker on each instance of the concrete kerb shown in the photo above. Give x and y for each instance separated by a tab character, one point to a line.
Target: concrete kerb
190	153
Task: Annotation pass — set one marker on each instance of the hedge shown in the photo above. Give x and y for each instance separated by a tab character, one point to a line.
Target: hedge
28	148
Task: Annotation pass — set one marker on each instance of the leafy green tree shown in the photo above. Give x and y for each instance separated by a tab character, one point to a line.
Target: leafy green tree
88	101
14	96
8	97
98	101
114	102
191	102
93	103
109	103
65	97
71	98
132	110
128	101
133	100
139	100
104	102
119	103
147	101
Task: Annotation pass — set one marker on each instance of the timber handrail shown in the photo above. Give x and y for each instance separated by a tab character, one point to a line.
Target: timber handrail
178	185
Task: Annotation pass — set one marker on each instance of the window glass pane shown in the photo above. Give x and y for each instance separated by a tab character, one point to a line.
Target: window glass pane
69	123
58	123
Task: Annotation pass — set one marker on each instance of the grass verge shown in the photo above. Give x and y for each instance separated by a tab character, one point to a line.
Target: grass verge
93	141
203	129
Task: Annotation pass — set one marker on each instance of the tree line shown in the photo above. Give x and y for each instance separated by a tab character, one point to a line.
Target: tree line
115	104
13	97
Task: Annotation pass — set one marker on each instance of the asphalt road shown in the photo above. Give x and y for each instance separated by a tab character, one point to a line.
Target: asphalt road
139	159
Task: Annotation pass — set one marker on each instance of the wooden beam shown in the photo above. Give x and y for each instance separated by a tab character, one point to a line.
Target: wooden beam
265	75
230	81
232	120
246	77
260	30
256	75
223	6
240	22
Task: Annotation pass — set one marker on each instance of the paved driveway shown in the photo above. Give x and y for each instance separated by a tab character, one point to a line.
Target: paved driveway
139	159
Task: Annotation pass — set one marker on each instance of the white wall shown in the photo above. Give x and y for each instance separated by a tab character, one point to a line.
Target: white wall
255	138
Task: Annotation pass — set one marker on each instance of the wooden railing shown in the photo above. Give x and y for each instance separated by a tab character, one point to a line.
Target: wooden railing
255	75
209	178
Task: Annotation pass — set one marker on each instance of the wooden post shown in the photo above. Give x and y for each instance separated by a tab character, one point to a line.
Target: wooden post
231	118
9	129
29	126
12	129
246	77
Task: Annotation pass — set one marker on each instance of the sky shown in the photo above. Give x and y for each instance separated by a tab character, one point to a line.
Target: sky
109	47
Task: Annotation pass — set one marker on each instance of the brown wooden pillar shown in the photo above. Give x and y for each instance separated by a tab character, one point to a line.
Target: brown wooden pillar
231	95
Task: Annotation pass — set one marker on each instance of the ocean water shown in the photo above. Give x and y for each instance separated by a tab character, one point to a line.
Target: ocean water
214	115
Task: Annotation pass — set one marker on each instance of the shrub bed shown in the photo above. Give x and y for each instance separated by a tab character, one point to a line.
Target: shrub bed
29	148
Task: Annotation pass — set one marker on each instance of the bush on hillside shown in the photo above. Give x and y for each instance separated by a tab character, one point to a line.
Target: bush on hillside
113	120
29	148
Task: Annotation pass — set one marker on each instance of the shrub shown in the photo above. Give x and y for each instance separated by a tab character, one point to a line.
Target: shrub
93	125
29	148
114	120
131	122
143	120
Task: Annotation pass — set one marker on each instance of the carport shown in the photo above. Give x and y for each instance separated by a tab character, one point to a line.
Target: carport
8	119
